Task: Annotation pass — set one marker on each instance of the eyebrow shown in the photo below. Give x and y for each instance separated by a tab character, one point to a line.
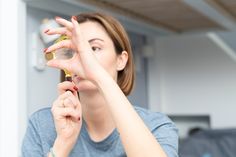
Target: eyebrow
91	40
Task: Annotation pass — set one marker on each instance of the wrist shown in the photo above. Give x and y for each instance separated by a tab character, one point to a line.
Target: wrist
106	84
61	148
102	77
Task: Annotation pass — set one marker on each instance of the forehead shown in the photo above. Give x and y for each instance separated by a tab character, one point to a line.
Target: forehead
92	30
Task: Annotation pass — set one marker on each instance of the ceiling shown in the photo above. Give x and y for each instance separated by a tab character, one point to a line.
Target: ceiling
181	17
229	5
160	18
177	15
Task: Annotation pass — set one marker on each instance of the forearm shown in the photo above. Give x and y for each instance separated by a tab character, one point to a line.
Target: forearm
135	136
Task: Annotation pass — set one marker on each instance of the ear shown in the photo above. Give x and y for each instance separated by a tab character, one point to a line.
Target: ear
122	60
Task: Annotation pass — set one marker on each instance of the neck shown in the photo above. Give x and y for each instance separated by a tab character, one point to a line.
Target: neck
96	115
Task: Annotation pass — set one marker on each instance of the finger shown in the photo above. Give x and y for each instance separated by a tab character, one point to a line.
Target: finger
75	101
75	25
72	99
65	112
66	85
64	23
65	95
84	45
76	29
69	103
69	95
59	64
57	104
59	45
61	31
78	107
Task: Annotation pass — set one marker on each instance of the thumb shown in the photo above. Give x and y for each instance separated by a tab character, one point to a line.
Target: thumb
59	64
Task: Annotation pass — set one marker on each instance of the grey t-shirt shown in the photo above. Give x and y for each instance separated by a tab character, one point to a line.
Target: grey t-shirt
41	134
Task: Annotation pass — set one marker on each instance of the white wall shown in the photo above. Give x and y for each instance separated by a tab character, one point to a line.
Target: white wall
12	80
41	85
195	77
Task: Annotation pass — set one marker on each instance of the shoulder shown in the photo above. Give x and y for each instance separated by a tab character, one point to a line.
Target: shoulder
42	121
43	116
164	130
40	133
42	112
154	119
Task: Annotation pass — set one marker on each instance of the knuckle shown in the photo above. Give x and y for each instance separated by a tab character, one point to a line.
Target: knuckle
64	31
62	44
53	109
65	94
59	85
68	110
77	114
68	93
54	104
66	101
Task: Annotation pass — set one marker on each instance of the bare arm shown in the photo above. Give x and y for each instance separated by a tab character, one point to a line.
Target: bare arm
138	141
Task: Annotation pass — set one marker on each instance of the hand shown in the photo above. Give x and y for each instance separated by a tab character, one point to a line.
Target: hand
67	115
84	64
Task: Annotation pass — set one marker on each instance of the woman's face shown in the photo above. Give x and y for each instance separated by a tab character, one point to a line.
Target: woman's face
104	50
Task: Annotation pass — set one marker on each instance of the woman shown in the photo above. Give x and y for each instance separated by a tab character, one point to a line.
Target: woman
101	122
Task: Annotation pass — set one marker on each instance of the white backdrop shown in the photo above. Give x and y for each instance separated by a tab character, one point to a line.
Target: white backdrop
12	80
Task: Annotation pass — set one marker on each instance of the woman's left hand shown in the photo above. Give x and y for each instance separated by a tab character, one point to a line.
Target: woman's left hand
84	63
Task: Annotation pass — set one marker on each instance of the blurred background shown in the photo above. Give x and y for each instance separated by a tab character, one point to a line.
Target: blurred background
185	58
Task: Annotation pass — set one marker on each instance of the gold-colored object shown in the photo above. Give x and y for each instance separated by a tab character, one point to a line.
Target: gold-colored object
67	75
49	56
63	53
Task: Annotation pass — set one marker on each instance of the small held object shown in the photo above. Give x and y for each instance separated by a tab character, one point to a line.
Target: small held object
61	54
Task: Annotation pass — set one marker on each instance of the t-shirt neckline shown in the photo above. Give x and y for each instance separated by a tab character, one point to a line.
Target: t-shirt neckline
105	144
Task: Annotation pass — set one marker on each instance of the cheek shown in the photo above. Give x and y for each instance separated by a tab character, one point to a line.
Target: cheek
108	62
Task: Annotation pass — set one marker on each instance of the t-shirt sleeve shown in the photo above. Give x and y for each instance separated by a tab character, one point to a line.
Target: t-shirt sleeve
167	136
40	134
32	145
164	131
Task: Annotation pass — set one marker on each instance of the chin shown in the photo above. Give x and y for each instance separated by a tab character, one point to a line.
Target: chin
86	86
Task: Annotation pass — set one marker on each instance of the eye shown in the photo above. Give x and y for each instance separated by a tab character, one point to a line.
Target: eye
95	48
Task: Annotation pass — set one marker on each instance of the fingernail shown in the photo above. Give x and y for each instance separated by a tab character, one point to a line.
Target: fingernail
45	50
69	90
74	17
75	88
46	30
57	17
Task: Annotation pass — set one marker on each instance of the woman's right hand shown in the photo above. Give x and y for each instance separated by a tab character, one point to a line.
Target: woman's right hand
84	63
67	115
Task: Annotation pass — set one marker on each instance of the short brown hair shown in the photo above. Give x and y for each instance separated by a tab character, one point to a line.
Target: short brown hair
121	42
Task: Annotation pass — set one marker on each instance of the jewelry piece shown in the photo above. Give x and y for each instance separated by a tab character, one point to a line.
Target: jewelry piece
52	152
